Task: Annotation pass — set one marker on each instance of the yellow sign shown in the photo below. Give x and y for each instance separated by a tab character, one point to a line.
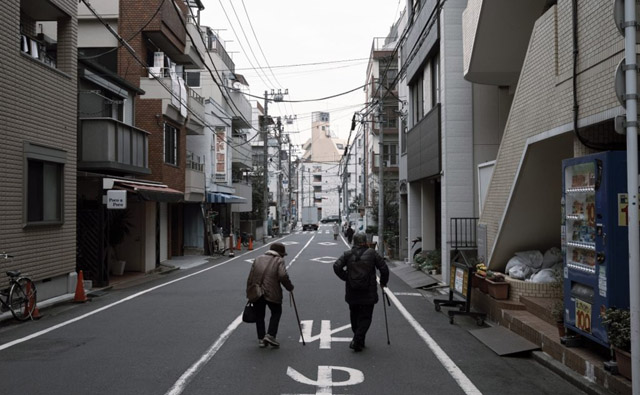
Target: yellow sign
623	209
583	316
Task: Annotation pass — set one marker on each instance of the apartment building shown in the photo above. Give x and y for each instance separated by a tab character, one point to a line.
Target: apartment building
550	118
445	139
38	133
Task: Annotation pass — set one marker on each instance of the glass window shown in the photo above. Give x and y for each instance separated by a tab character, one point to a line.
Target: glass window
44	195
192	78
170	145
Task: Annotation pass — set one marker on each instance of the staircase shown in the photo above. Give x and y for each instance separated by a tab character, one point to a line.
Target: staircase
531	318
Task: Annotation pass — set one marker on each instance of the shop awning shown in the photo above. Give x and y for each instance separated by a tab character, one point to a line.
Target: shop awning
156	193
218	197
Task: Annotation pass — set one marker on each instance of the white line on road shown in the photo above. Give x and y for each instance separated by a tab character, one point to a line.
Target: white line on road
463	381
186	377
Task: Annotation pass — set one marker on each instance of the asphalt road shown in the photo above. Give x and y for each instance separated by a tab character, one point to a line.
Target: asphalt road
182	334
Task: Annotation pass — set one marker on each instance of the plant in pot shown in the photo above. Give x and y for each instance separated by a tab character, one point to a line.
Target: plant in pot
119	228
618	325
480	277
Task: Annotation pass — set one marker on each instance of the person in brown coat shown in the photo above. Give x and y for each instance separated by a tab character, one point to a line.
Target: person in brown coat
271	269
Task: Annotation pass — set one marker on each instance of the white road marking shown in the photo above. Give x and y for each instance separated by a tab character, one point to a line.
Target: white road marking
463	381
186	377
324	337
325	382
324	259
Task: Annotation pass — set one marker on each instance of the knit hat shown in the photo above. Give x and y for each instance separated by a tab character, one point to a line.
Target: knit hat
279	248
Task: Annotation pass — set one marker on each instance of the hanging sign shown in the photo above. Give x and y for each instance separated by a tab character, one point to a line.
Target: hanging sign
116	200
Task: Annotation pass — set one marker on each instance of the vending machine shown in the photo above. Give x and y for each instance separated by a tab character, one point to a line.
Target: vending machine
595	241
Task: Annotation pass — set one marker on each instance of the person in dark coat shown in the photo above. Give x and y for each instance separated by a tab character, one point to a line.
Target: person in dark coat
361	299
276	274
349	233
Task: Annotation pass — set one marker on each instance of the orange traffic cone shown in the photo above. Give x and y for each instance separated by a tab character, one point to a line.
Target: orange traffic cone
80	296
239	246
30	304
250	243
231	254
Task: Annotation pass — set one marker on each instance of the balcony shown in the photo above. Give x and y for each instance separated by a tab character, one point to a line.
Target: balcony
167	32
496	36
108	145
194	190
195	124
423	147
241	109
174	95
390	164
241	154
194	51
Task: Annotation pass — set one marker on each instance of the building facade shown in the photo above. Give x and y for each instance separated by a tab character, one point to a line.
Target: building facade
38	131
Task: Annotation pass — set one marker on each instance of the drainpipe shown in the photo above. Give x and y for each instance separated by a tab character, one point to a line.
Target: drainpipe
631	74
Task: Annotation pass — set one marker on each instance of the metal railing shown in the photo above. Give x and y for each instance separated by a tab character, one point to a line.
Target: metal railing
462	233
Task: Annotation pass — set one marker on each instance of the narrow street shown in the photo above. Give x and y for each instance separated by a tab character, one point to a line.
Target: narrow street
182	334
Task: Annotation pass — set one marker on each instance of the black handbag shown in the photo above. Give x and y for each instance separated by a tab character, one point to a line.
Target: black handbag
249	314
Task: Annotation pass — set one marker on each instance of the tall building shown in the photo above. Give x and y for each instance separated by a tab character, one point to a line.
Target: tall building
319	182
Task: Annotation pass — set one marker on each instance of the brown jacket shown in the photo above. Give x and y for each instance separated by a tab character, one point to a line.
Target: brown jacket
276	274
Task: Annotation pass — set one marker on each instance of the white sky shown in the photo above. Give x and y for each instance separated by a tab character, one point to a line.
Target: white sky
296	32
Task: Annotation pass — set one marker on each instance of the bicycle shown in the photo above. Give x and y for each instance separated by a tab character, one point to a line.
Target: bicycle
21	295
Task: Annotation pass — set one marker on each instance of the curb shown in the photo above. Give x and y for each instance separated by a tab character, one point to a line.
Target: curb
580	382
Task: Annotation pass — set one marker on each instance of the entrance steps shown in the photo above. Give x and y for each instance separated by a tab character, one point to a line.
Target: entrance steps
531	318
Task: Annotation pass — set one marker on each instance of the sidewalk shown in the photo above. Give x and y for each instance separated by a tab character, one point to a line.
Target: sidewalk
581	366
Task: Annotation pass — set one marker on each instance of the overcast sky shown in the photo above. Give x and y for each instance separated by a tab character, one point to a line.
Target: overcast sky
291	35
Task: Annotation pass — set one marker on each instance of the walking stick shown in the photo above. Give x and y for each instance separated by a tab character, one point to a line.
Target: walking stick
295	308
386	323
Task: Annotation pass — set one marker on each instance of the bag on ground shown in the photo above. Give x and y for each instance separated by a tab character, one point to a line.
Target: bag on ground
249	313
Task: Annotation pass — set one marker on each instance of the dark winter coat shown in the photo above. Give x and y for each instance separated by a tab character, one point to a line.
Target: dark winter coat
276	274
374	260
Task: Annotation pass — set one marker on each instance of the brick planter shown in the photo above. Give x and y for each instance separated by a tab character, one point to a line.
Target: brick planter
497	290
482	283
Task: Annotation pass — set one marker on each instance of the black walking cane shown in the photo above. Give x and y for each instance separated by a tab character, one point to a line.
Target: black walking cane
386	323
295	308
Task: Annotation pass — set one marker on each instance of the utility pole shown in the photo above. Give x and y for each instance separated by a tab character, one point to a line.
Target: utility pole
380	177
630	43
279	189
289	183
277	97
265	153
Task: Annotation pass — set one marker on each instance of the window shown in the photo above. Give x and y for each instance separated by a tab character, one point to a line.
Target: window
390	154
317	178
44	195
192	78
340	146
170	145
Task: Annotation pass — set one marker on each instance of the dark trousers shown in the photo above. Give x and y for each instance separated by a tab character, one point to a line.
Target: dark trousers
276	311
360	315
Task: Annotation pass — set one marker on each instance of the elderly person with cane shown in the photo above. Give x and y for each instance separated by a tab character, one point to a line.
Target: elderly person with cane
357	268
268	272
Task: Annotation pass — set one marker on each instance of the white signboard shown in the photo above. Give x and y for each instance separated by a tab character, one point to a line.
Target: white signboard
116	200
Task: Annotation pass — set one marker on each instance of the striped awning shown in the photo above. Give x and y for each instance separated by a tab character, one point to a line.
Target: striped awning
219	197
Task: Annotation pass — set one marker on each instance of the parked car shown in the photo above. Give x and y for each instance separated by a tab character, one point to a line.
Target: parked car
331	218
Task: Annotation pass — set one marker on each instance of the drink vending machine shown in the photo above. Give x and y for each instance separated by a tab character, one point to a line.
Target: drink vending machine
595	241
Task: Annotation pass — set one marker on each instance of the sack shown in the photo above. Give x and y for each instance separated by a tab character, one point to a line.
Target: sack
358	273
254	292
249	314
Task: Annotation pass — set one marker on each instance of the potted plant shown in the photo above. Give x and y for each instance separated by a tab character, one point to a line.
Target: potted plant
480	277
618	325
497	287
